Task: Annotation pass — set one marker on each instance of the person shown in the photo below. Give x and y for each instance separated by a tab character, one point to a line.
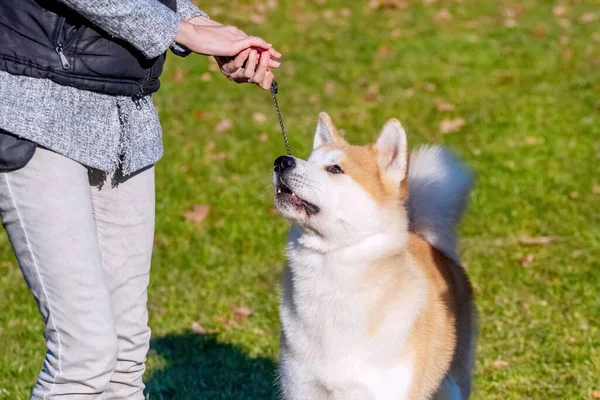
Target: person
79	137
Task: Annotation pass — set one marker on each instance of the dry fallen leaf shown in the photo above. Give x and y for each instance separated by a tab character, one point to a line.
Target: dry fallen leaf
443	106
205	77
564	22
596	188
215	11
395	33
197	214
567	54
510	23
329	14
197	328
527	259
263	137
219	156
371	93
596	394
225	322
500	364
329	87
559	10
161	240
199	115
179	75
574	195
259	117
538	240
430	87
240	314
443	15
384	50
588	17
538	32
531	140
223	126
258	19
451	125
345	12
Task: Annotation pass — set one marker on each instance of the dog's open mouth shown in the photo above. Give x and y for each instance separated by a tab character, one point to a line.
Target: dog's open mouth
285	194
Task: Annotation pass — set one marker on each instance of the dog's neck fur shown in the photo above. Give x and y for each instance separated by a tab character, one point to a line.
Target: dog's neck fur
308	247
392	236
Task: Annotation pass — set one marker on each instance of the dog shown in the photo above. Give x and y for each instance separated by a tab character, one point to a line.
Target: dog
375	303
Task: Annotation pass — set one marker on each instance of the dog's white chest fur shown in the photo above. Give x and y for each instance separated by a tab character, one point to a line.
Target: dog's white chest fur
328	349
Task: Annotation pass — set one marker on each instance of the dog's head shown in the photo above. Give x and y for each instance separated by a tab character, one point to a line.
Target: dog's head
344	193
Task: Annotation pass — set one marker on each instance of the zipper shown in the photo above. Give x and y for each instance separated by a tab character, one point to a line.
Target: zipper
139	95
63	59
60	46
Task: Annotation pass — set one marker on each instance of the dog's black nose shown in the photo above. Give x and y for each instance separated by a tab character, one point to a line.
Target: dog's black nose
283	163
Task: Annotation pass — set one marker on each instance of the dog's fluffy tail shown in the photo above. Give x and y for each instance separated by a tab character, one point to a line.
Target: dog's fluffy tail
438	190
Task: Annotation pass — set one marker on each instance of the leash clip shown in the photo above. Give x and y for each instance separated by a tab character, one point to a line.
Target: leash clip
274	87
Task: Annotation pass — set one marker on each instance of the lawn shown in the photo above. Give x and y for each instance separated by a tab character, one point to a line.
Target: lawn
512	87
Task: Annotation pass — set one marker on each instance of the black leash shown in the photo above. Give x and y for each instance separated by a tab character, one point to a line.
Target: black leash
274	91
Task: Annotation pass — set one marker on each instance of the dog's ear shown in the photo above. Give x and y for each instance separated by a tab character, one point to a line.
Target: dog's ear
326	132
392	150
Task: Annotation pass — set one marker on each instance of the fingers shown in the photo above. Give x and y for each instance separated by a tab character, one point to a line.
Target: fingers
263	65
266	83
251	41
238	76
237	62
274	53
250	68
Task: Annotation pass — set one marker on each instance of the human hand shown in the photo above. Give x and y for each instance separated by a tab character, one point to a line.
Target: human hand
211	38
249	65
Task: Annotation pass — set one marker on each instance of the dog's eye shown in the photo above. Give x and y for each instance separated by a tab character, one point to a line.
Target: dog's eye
335	169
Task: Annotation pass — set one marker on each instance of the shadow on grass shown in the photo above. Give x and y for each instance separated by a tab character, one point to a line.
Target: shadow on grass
198	367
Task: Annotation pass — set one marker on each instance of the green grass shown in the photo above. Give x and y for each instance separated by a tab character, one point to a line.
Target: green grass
529	95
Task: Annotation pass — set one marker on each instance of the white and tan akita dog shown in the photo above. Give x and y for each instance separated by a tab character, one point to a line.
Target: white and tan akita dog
375	303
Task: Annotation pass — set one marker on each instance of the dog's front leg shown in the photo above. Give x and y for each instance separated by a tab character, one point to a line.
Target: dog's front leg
297	382
304	391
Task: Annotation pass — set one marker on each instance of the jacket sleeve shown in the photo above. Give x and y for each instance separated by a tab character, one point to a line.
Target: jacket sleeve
148	25
186	11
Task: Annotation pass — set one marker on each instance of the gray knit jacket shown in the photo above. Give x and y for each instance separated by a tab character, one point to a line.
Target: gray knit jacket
97	130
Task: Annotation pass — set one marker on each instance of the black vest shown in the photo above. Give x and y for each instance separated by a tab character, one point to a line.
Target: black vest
45	39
